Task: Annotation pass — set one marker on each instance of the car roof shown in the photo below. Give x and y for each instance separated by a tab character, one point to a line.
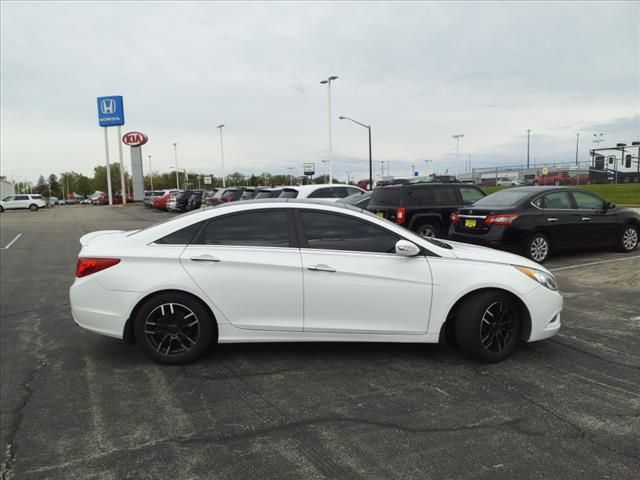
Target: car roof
309	188
424	184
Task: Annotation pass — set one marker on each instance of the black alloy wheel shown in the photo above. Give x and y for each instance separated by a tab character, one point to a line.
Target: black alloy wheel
174	328
427	231
488	326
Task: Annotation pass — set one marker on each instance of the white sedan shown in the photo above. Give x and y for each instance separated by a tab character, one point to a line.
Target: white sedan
295	271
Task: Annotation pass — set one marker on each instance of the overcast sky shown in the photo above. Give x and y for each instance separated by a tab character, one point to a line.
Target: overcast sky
417	72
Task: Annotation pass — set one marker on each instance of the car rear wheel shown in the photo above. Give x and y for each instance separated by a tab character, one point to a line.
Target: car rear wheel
538	248
628	238
1	209
427	230
33	208
488	326
174	329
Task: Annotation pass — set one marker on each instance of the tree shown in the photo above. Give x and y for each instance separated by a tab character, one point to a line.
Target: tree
100	178
41	187
55	186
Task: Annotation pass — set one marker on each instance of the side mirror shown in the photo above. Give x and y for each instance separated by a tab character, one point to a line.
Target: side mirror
405	248
610	206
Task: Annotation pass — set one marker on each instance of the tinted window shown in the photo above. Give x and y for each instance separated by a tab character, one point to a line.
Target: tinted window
21	197
419	197
181	237
353	191
386	196
263	194
470	195
588	202
288	193
557	200
340	192
263	228
444	196
503	198
337	232
8	199
324	193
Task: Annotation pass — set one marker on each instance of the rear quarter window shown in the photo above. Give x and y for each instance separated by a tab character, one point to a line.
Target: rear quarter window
386	196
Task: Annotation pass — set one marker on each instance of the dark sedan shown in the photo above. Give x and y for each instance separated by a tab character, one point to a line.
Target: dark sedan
536	221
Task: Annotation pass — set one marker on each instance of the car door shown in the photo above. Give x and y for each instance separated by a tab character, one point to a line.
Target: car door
559	219
8	202
353	280
595	224
248	266
20	201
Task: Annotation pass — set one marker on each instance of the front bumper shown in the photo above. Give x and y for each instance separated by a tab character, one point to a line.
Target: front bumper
545	307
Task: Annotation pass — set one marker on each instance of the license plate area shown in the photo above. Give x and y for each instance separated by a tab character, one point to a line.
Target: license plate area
470	223
380	214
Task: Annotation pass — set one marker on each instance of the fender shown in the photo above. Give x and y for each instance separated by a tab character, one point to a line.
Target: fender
422	216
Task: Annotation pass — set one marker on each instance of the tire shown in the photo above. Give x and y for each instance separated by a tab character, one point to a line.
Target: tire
488	326
170	316
628	238
1	209
33	208
536	183
626	179
538	248
636	179
557	182
428	230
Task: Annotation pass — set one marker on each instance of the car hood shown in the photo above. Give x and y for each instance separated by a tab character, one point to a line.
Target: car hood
466	251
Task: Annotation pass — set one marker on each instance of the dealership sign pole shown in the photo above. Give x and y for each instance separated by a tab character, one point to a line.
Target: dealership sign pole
111	114
135	140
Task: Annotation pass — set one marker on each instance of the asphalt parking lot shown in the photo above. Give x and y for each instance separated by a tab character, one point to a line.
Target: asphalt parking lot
76	405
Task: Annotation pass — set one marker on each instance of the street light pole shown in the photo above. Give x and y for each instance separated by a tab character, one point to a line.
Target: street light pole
368	127
290	176
224	182
528	145
328	82
577	144
457	137
175	154
150	172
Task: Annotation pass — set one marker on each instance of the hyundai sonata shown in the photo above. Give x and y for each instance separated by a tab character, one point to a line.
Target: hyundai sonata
295	271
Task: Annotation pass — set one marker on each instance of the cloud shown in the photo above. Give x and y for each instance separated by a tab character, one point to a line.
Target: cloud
417	72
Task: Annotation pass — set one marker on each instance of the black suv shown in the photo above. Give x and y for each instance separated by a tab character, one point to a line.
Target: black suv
423	207
185	200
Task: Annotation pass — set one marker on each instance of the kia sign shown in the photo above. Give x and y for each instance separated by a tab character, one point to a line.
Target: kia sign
134	139
110	111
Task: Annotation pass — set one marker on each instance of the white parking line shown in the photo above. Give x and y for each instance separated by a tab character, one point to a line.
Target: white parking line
593	263
12	242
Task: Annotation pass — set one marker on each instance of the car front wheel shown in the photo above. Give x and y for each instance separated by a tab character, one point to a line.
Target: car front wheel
174	329
629	238
488	326
538	248
33	208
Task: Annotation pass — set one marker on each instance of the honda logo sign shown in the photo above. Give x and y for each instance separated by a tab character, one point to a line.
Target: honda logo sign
134	139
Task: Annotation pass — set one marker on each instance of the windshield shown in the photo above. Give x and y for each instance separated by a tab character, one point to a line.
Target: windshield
503	198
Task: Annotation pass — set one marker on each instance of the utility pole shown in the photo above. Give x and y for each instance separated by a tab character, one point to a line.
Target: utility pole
577	144
528	145
224	183
150	172
457	137
175	154
328	83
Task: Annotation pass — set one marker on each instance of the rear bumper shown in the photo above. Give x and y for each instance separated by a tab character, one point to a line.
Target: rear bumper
497	237
99	310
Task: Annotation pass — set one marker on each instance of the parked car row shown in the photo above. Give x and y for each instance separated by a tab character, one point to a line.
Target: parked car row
181	201
530	221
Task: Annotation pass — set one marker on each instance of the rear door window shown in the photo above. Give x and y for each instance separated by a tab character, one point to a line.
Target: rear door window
261	228
288	193
557	201
444	196
323	193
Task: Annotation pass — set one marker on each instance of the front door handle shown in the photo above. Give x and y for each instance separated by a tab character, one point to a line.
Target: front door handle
552	219
321	268
586	219
205	258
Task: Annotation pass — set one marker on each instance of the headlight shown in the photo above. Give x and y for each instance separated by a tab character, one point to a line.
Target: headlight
543	278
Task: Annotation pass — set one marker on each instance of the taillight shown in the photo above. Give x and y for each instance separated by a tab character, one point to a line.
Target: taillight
87	266
400	215
502	219
454	217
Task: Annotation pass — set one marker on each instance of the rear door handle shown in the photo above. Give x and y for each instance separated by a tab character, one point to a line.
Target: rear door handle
552	219
586	219
205	258
321	268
